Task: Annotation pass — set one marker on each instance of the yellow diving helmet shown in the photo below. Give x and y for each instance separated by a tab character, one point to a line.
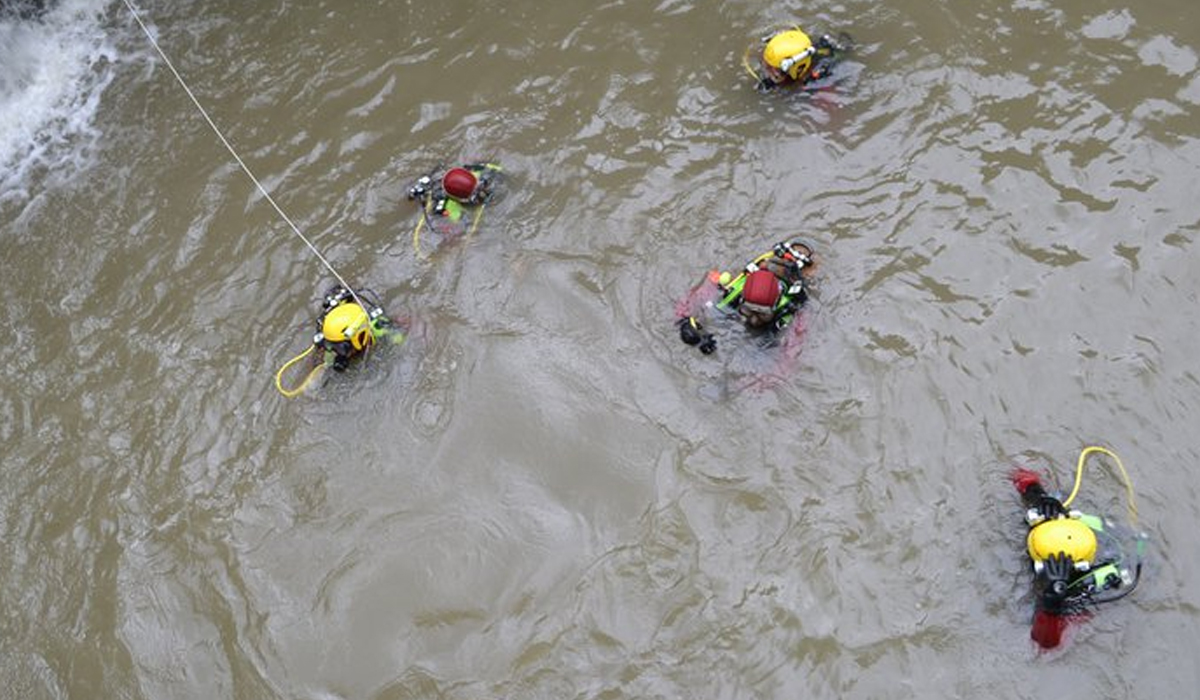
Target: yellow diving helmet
791	52
348	321
1062	535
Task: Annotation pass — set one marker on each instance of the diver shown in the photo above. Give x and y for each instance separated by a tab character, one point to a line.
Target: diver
349	323
457	190
766	295
790	57
449	198
345	329
1079	560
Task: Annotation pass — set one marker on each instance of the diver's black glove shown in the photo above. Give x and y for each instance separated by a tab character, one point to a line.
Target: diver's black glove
690	331
342	352
1055	581
708	344
1050	507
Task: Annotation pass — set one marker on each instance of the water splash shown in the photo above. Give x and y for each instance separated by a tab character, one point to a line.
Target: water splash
54	66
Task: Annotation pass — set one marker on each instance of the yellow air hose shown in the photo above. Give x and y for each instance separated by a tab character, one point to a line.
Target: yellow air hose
292	393
416	237
475	221
1124	475
746	64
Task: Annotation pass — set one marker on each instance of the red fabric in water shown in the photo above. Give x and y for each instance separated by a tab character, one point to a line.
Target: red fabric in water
1047	629
1024	478
693	304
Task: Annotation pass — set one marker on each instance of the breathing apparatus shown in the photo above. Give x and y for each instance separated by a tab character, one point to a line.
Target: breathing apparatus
420	188
797	254
800	63
431	195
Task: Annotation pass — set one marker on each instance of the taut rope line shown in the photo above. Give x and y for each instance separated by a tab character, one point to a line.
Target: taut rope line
232	152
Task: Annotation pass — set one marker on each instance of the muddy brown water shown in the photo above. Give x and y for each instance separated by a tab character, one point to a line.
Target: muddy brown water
544	494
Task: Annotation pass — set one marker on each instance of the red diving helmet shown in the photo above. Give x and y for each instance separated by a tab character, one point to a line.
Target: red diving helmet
460	183
762	287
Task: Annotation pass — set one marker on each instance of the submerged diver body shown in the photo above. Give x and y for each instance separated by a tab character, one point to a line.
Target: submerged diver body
461	193
765	296
791	58
1079	560
346	330
348	325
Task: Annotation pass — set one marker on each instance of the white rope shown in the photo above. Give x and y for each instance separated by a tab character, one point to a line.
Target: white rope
238	158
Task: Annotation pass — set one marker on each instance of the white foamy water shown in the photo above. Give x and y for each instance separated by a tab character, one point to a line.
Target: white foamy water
52	74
